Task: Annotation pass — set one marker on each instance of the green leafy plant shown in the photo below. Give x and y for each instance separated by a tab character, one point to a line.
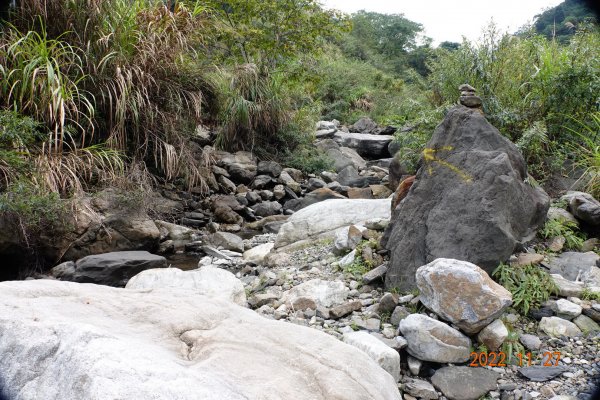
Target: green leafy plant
511	345
30	211
309	160
529	285
567	229
587	294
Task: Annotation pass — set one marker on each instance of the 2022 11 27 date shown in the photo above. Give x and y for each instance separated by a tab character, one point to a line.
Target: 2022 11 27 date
498	359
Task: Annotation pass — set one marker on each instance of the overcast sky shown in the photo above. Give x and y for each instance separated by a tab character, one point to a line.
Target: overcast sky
452	19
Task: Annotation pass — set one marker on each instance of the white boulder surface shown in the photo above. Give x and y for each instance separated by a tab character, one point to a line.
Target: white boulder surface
65	340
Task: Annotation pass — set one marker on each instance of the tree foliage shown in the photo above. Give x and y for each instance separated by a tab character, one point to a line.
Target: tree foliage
272	31
384	40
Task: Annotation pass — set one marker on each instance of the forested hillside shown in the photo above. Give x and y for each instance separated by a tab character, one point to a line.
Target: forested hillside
564	20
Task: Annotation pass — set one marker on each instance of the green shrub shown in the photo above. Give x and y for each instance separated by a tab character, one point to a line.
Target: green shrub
567	229
31	211
529	285
309	160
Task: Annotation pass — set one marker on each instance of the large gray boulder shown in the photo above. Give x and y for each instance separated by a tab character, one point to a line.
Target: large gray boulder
573	265
241	166
325	217
341	156
369	146
469	201
462	293
113	269
70	341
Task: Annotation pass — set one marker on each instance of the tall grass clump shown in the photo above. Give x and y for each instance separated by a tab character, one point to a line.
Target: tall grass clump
253	110
111	81
586	150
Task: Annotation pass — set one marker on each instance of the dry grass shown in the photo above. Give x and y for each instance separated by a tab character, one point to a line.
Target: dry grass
121	73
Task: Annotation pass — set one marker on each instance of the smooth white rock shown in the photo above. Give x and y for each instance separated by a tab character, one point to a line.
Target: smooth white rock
257	254
69	341
385	356
323	293
326	216
210	281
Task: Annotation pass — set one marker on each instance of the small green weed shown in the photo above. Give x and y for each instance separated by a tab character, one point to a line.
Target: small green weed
530	286
511	346
587	294
567	229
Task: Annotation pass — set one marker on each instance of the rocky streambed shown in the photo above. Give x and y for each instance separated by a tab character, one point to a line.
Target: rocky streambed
281	285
